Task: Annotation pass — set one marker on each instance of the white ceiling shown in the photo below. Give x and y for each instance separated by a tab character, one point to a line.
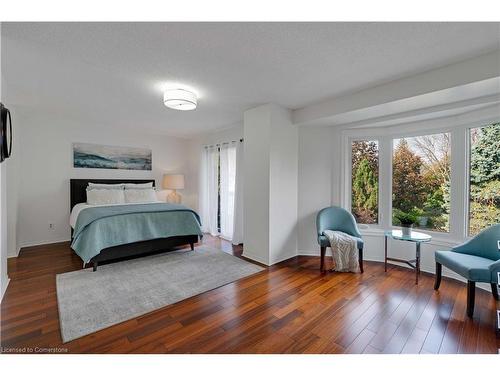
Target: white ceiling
112	74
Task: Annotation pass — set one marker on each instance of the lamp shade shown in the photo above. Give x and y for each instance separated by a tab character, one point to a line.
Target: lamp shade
173	181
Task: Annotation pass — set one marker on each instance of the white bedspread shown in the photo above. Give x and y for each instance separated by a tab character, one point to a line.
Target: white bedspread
344	251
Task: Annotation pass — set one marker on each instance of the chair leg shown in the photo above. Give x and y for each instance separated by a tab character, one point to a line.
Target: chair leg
494	291
323	251
439	270
360	258
471	296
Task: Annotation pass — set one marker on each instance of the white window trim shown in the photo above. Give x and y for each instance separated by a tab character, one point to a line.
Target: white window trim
459	173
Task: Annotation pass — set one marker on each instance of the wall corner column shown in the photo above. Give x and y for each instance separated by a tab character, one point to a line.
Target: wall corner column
271	184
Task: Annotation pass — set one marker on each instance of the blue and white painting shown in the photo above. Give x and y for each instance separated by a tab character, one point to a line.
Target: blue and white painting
87	155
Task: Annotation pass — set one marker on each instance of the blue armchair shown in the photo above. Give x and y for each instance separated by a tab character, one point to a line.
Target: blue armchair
336	218
478	260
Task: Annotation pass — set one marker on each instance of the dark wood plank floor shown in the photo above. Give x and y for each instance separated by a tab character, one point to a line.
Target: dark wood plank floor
288	308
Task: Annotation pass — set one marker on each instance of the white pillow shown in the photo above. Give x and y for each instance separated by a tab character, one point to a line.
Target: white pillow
105	186
105	196
147	185
140	196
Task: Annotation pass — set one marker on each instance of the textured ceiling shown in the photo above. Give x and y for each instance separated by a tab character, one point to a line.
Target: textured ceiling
112	74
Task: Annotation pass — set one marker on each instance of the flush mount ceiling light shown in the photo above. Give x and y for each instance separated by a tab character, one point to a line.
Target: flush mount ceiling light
180	99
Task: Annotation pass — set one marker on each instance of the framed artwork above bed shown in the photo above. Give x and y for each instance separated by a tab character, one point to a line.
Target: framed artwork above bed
87	155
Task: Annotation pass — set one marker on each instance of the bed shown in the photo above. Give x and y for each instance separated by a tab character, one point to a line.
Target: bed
109	233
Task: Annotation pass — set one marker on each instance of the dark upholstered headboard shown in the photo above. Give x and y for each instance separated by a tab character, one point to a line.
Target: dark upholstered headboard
78	187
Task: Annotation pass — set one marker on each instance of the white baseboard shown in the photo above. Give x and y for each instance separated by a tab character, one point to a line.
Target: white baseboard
10	255
38	243
313	253
49	242
4	289
282	259
257	258
254	257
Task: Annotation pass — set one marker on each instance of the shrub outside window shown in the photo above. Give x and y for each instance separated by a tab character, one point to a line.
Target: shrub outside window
484	174
364	181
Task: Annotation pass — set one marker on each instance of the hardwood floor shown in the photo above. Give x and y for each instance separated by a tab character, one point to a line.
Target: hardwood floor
288	308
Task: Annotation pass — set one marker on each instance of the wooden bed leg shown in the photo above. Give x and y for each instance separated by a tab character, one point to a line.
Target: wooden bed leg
192	246
94	266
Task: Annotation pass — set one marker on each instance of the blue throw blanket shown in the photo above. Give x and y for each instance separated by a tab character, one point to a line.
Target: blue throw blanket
98	228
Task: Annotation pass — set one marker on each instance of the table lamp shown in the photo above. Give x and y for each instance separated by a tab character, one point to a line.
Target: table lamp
173	182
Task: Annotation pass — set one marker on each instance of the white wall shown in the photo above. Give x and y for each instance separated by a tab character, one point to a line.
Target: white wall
12	175
270	194
4	280
45	169
315	181
9	185
257	135
283	179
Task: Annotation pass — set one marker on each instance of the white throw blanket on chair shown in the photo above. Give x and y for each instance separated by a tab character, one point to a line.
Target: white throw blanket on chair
344	251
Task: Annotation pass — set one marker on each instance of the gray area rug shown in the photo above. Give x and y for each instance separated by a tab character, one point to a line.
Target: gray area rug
90	301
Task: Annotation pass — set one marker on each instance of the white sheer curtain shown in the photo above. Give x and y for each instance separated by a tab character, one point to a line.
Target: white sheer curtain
209	196
222	179
238	197
227	185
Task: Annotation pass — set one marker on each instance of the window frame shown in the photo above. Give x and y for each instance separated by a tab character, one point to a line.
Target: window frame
459	128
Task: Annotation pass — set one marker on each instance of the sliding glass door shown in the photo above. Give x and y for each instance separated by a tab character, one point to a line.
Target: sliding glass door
219	189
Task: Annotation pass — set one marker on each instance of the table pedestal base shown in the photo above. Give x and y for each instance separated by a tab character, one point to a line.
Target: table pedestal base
413	263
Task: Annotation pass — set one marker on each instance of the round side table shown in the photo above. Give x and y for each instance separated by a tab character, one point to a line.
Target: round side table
416	237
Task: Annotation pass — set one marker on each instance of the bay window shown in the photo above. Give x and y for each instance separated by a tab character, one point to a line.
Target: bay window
449	181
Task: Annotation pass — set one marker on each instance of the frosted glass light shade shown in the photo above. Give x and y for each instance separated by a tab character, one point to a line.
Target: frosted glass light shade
173	181
180	99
